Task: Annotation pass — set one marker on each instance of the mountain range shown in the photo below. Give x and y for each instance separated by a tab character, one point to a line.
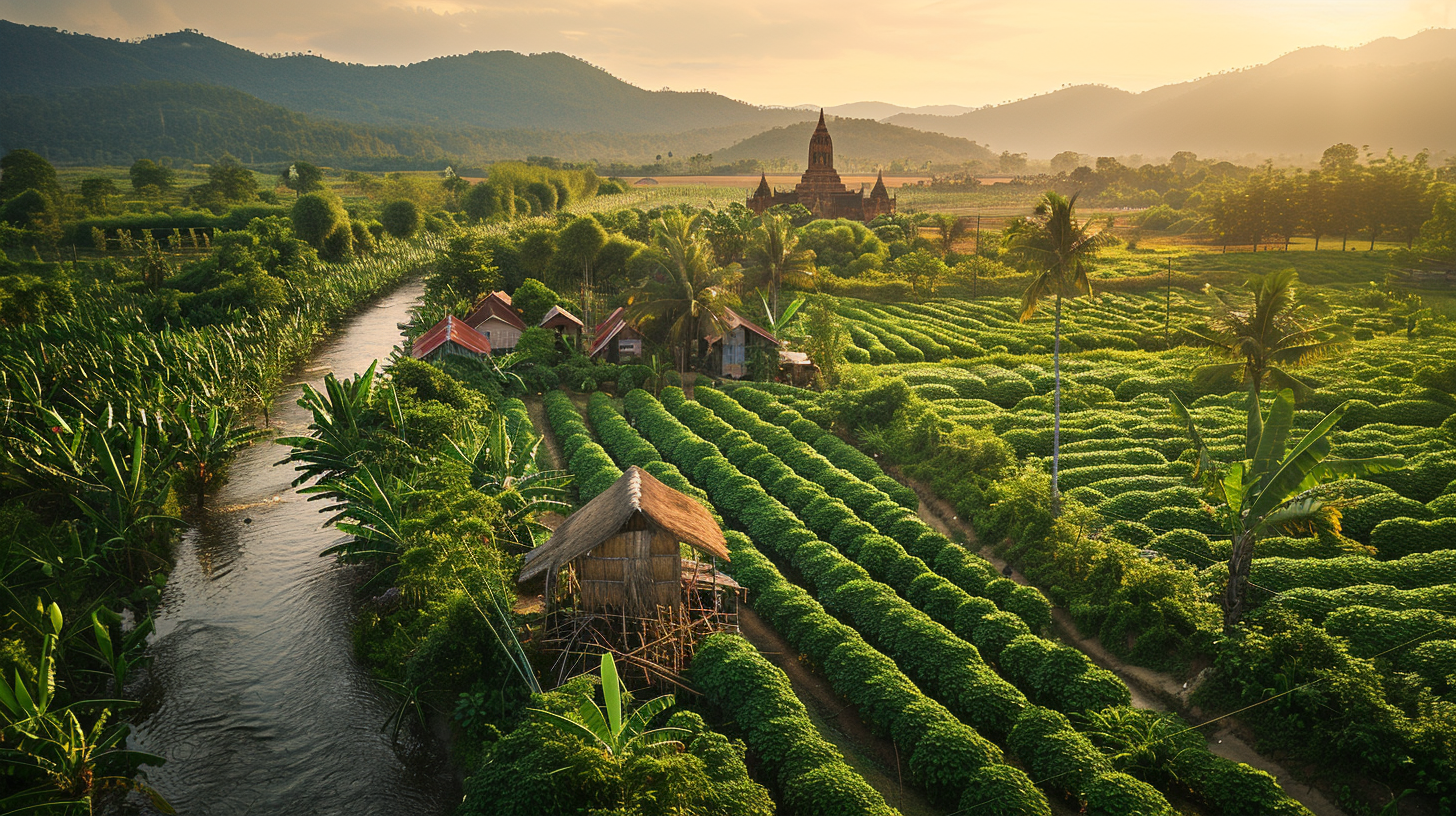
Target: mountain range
83	98
1390	93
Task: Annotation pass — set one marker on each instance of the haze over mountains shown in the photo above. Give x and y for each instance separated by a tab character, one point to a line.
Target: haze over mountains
1391	93
88	99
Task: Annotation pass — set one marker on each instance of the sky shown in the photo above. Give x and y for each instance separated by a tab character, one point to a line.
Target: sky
786	52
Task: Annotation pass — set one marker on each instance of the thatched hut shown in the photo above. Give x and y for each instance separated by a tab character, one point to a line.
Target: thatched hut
623	549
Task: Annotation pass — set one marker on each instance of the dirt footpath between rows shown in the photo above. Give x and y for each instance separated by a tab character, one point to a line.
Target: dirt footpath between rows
1150	689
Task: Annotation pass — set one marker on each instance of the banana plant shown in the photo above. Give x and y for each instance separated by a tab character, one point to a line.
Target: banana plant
607	728
211	437
502	462
1273	490
77	761
373	517
120	657
343	436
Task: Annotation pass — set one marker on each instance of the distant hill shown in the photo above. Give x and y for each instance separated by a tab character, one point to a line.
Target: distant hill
497	90
884	110
1389	93
858	143
201	122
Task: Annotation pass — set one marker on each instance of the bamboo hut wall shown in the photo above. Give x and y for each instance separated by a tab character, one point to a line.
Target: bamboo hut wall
634	571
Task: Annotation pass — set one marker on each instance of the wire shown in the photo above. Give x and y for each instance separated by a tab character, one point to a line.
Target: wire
1205	723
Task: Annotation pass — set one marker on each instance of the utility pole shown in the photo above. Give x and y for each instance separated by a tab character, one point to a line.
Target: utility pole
1168	308
978	233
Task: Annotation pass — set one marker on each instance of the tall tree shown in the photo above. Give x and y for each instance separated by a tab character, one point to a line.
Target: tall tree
22	170
577	248
146	173
948	228
1059	250
1276	329
774	258
302	177
684	291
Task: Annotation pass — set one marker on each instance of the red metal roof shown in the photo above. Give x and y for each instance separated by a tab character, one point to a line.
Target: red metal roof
605	337
447	331
492	306
608	322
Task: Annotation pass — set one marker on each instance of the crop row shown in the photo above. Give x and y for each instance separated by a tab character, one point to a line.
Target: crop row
811	774
831	501
929	651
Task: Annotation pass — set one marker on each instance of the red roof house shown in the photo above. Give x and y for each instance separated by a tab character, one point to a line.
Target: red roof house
449	336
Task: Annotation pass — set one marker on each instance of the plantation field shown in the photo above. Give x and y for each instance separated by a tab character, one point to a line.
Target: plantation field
1377	590
932	645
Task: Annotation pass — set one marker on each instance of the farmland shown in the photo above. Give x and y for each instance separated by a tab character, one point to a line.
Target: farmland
992	544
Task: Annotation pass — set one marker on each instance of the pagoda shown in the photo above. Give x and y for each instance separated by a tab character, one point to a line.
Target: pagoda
820	189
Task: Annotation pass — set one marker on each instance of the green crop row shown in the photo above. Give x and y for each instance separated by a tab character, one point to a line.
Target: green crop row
811	774
1410	572
592	468
946	756
843	509
1399	537
1318	604
949	749
946	664
628	448
1058	675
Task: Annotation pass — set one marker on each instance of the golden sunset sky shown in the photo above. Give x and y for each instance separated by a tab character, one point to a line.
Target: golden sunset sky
785	52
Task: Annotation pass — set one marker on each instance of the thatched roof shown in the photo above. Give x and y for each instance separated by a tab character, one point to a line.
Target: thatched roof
636	492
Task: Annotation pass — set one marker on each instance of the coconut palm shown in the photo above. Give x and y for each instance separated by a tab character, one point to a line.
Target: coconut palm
685	291
1059	250
774	258
1277	330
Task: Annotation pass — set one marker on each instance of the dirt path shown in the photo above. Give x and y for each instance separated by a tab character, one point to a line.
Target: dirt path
1150	689
873	757
536	410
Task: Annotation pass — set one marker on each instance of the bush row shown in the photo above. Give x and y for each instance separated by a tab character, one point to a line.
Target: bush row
628	448
1410	572
946	756
842	509
931	634
592	468
811	774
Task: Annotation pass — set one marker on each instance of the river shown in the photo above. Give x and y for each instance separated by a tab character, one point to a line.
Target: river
254	694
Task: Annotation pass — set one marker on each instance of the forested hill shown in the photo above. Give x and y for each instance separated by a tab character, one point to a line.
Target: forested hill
497	90
199	123
1387	94
858	144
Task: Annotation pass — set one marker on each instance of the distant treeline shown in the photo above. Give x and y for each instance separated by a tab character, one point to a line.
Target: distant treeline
198	123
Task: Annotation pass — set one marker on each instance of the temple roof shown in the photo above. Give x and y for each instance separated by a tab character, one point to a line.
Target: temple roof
763	188
879	190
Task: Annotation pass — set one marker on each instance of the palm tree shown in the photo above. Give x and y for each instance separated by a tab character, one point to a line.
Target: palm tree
1059	249
1277	330
686	291
948	228
774	258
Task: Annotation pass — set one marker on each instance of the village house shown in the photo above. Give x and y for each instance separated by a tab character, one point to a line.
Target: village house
616	339
451	336
494	317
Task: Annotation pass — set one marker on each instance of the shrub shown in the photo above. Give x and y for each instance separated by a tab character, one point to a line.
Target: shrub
1399	537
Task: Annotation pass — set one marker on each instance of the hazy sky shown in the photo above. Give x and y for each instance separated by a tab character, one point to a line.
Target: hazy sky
786	52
